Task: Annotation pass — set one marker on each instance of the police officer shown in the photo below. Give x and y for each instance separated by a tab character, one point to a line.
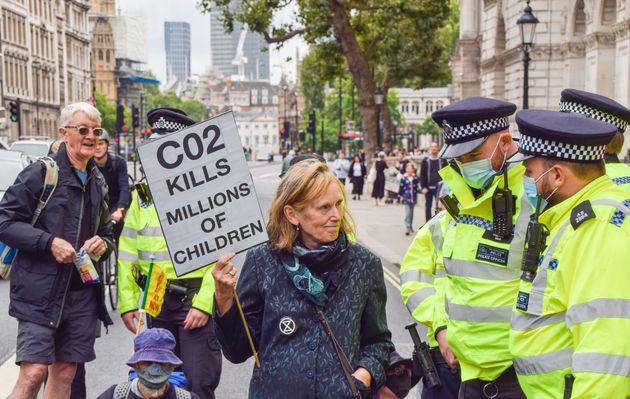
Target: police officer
418	280
482	252
604	109
189	299
571	319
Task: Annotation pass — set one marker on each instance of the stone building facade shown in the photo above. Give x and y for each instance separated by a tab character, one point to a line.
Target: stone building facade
44	50
583	44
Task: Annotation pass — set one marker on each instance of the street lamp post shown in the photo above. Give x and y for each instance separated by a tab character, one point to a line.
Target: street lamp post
285	88
36	65
527	23
378	100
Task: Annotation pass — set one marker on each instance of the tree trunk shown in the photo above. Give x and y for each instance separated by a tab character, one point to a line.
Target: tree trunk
361	74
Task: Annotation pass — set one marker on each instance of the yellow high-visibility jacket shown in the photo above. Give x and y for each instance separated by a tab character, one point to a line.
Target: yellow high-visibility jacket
140	239
575	316
418	272
620	174
482	277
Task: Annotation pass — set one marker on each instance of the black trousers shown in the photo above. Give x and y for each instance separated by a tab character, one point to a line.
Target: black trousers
199	349
428	203
504	387
449	378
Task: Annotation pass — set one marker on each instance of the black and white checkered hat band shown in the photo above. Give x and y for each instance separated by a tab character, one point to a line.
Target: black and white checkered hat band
590	112
167	126
569	152
453	135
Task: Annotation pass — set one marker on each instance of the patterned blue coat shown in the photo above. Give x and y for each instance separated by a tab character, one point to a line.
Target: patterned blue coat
304	364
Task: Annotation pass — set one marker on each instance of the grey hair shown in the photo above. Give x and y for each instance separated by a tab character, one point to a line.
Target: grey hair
88	109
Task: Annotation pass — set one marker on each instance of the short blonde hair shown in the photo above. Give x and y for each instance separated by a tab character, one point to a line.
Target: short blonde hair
615	145
303	182
67	113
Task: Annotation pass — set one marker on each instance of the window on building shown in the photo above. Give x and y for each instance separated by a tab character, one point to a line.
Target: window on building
404	107
254	100
415	108
100	55
428	107
107	56
609	14
439	104
265	100
580	18
265	140
257	139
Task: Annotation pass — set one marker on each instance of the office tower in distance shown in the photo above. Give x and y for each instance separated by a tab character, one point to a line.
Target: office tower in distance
177	46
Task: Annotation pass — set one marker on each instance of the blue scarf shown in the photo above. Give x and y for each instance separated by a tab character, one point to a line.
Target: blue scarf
311	270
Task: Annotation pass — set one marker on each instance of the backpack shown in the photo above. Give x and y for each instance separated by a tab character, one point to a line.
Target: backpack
122	391
7	253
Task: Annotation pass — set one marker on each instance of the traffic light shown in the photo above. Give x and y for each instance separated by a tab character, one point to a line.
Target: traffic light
287	129
135	117
312	122
302	136
120	117
14	111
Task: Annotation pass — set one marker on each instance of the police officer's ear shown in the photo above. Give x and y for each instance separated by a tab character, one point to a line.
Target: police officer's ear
505	142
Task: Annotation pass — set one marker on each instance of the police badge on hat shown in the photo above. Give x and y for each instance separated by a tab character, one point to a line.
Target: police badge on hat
287	326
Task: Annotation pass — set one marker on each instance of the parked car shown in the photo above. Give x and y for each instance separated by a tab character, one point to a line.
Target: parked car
11	164
38	148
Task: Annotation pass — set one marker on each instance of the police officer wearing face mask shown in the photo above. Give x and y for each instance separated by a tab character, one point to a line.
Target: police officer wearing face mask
153	362
571	320
482	246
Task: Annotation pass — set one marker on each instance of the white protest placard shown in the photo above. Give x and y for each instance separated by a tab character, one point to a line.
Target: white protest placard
203	193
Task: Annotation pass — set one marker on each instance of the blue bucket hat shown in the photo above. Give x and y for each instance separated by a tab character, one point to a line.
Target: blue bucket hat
154	345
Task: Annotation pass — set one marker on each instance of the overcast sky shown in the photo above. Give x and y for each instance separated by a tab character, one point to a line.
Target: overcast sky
158	11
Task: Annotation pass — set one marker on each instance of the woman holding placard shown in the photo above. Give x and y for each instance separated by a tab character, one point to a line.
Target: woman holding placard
314	301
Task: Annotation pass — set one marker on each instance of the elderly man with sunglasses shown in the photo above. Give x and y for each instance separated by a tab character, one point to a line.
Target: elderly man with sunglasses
56	307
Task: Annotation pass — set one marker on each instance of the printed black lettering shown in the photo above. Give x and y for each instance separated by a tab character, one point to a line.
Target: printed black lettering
193	180
232	194
223	168
193	151
162	160
216	133
245	232
194	251
220	241
233	236
220	199
258	226
220	218
206	174
208	225
172	185
244	189
178	257
177	217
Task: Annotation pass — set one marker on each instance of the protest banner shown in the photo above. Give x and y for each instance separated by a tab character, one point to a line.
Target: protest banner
203	193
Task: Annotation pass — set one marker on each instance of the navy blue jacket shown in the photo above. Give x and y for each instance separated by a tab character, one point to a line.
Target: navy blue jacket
304	364
39	284
115	173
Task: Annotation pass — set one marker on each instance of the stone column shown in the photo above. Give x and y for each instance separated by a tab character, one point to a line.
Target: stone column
600	63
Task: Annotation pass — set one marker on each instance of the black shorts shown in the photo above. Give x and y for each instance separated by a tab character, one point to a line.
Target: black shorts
72	341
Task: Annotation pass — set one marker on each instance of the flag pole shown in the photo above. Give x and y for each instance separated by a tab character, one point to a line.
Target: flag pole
144	296
240	311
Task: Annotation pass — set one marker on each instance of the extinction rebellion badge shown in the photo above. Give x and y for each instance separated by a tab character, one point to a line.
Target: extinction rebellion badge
287	326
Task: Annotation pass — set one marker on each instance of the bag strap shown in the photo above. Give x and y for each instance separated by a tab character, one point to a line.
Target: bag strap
50	183
122	390
345	363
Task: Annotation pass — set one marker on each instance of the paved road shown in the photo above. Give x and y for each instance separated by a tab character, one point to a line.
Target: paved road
115	347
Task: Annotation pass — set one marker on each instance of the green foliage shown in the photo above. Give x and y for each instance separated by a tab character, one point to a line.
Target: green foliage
107	110
428	127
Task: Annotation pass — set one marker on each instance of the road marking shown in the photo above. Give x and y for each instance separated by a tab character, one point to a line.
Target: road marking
392	278
266	175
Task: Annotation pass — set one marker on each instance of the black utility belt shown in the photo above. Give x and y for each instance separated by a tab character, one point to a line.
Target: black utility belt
177	287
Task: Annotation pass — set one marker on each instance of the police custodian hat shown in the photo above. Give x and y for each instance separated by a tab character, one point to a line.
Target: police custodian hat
466	124
595	106
560	135
168	120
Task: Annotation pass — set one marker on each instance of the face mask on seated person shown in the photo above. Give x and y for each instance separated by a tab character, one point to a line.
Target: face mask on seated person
155	375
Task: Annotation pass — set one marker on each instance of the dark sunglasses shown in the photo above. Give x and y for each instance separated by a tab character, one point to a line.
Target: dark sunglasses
84	130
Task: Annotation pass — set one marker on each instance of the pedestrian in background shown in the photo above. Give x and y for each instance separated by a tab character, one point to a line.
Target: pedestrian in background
430	178
341	167
153	362
357	175
408	194
378	188
56	310
307	284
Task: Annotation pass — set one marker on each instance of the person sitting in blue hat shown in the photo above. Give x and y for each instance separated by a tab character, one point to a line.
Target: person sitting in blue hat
604	109
571	320
153	362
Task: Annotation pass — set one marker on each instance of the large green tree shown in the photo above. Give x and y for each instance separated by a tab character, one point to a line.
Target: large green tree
367	33
107	110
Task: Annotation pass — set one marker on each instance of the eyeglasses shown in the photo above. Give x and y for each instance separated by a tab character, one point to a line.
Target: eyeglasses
84	130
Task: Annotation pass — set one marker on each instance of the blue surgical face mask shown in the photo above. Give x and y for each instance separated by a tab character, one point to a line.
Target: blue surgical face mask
155	375
477	173
531	191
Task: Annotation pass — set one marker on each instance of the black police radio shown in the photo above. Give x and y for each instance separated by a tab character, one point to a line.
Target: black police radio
535	244
503	206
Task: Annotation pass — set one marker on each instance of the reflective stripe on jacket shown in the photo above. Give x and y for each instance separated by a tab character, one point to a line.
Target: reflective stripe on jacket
575	316
142	238
483	275
620	174
417	272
